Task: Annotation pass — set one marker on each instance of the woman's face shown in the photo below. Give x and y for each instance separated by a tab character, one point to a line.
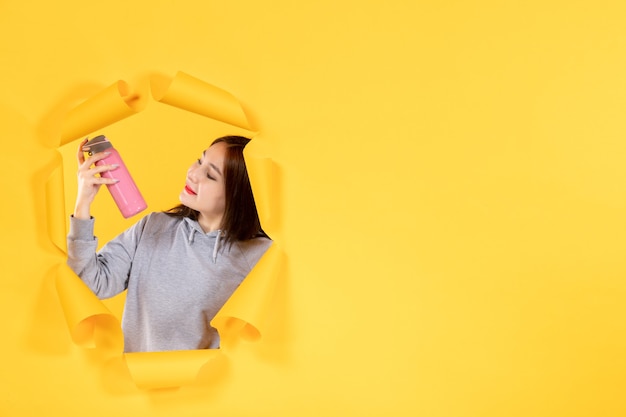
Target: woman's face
204	188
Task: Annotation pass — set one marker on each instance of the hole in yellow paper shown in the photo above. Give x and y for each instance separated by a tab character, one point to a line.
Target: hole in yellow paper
152	142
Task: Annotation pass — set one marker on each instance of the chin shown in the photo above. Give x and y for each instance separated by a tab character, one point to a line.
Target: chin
183	199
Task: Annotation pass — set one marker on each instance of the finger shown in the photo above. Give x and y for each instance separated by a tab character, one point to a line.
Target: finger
105	181
95	158
99	169
80	155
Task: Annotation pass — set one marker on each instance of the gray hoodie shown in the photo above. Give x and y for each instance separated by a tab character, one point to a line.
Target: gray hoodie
177	276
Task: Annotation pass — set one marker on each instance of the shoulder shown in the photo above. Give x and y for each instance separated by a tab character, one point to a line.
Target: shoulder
158	222
253	249
257	243
160	217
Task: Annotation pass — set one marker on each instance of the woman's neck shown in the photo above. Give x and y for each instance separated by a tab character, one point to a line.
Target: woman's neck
209	224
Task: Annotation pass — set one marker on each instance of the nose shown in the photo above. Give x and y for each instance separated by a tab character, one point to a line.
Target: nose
192	172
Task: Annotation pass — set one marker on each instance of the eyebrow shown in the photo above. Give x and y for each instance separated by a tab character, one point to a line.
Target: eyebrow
213	165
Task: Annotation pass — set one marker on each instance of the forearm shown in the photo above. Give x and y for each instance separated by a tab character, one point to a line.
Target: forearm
82	211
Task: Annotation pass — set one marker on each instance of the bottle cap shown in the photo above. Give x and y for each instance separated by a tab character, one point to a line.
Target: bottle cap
97	144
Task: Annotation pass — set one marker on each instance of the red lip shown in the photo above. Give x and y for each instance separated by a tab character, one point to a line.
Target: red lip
189	190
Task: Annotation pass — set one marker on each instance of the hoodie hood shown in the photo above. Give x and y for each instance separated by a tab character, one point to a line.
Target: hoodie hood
193	228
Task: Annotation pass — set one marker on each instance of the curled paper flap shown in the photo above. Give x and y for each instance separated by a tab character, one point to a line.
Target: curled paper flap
112	104
91	324
194	95
245	312
154	370
55	203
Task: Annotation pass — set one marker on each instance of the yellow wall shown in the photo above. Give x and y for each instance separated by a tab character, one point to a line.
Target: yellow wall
452	201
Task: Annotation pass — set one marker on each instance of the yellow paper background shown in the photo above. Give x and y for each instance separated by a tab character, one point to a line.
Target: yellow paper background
451	201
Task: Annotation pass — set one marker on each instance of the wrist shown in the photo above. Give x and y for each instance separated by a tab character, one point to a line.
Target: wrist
82	212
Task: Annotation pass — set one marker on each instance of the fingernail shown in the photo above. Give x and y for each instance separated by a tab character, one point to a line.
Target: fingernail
115	166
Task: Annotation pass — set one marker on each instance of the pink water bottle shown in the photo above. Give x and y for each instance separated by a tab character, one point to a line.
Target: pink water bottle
125	191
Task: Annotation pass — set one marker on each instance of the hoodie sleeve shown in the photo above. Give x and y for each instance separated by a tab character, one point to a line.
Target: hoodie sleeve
105	272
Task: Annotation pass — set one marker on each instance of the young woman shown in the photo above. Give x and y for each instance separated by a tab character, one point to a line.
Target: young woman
179	266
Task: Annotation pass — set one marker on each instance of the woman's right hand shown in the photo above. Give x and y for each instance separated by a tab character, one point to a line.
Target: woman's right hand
88	182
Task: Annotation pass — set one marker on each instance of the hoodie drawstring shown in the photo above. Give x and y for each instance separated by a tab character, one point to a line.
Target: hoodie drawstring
215	247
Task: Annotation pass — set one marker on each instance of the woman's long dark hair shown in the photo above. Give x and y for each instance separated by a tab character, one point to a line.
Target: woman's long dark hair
241	219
